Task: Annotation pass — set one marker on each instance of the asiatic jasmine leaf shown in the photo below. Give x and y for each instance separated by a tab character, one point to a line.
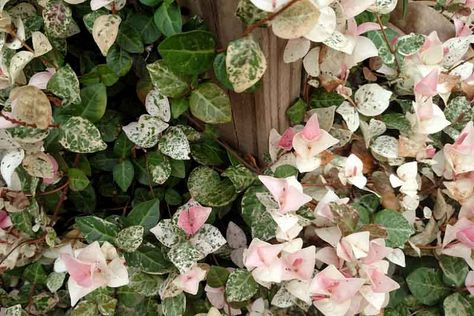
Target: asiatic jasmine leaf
240	286
210	104
97	229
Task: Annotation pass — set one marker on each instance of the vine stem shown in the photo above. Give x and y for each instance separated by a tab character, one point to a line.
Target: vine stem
268	18
15	121
385	37
24	242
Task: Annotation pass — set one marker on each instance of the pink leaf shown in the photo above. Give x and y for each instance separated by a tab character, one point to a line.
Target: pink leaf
311	130
190	220
79	271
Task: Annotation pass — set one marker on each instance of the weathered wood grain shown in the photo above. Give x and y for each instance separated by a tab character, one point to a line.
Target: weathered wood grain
253	114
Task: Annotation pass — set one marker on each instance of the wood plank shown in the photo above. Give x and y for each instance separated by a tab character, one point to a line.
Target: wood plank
253	114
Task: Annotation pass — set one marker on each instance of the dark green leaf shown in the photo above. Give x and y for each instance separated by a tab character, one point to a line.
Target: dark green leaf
398	228
168	19
119	61
78	181
296	112
149	260
123	174
217	276
97	229
129	39
94	102
220	71
145	214
427	286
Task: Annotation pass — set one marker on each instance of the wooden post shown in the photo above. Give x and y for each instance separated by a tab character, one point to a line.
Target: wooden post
253	114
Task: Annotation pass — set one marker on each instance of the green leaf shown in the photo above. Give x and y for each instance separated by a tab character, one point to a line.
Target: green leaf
100	74
454	270
408	45
145	284
149	260
145	26
65	85
210	104
97	229
256	216
427	286
145	214
35	274
78	181
240	176
85	308
189	52
169	83
168	19
217	276
285	171
110	125
206	186
174	306
94	102
123	146
398	228
80	136
174	144
123	174
459	112
396	121
457	305
172	197
179	106
240	286
151	3
55	281
159	167
323	99
178	168
245	63
208	152
23	221
296	112
378	38
220	71
130	238
119	61
130	39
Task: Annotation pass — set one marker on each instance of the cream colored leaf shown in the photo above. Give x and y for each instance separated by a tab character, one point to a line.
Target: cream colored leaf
311	62
41	44
296	49
372	99
17	63
296	21
31	105
20	37
105	31
38	165
350	115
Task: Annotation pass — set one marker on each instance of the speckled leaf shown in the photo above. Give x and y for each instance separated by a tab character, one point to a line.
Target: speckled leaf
158	105
130	238
81	136
58	21
372	99
105	31
10	162
245	63
210	104
65	85
159	167
168	83
240	176
41	44
31	105
408	45
184	256
97	229
167	233
385	146
207	240
459	112
426	285
175	144
145	284
174	306
398	228
55	281
256	216
240	286
38	164
145	133
457	305
206	186
454	270
350	115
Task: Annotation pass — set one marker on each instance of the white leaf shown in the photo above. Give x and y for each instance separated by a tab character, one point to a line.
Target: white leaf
208	239
311	62
386	146
296	49
41	44
235	236
340	42
269	5
158	105
166	233
105	31
9	163
20	38
296	21
325	116
372	99
325	26
18	62
350	115
175	144
145	133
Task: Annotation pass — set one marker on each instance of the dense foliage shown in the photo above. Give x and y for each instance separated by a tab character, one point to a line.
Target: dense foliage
119	198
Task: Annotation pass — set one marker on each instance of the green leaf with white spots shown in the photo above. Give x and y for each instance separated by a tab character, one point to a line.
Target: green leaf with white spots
55	281
65	85
105	31
408	45
130	238
398	228
210	104
80	136
85	308
245	63
97	229
184	255
168	18
459	112
149	260
378	39
297	21
189	52
78	180
206	186
58	21
174	306
168	83
396	121
14	310
256	216
240	176
457	305
208	239
159	167
123	174
454	270
427	286
168	233
145	133
145	284
175	144
240	286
